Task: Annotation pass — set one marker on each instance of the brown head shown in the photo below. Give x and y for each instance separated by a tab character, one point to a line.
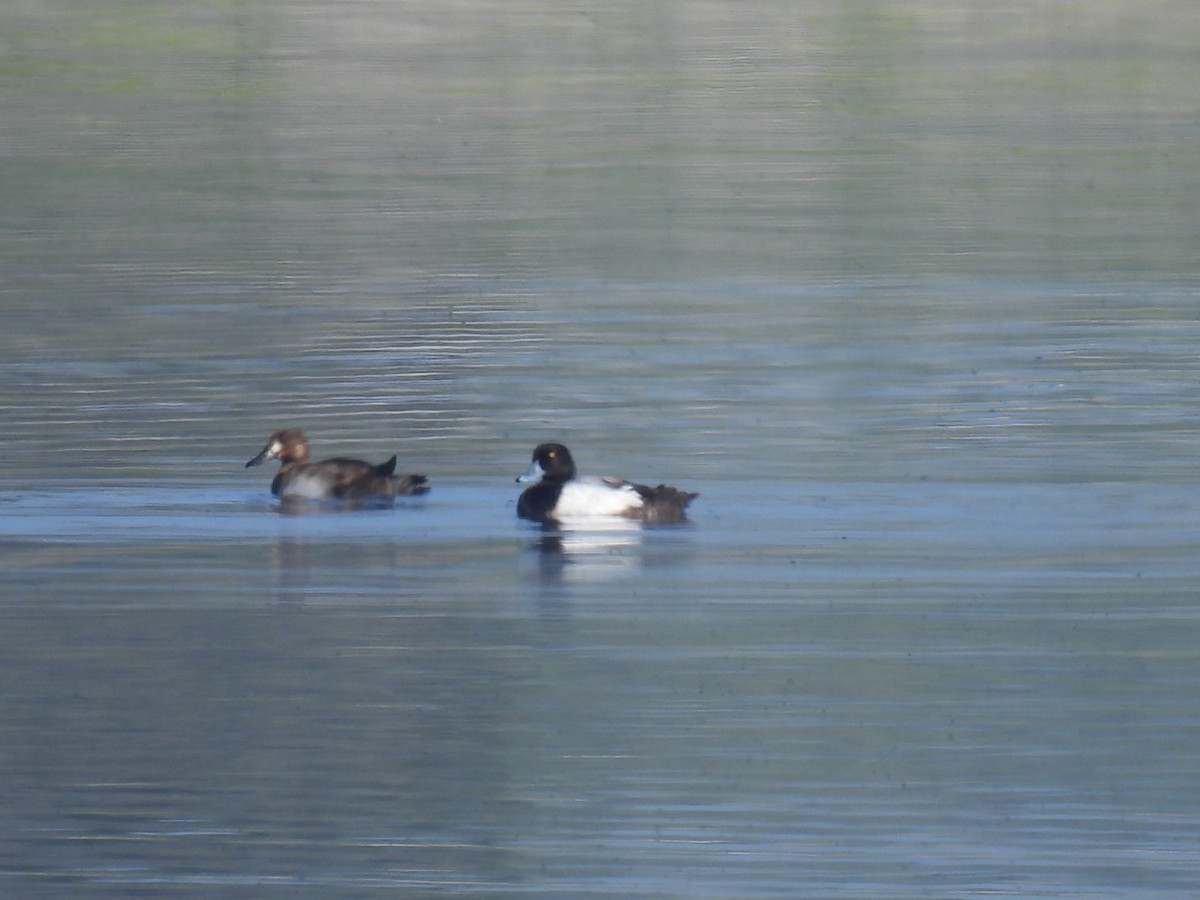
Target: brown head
287	445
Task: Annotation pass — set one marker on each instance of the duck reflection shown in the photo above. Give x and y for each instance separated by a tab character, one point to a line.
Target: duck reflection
289	560
601	551
300	506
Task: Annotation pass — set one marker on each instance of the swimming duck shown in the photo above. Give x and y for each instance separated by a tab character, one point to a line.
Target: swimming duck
338	478
557	494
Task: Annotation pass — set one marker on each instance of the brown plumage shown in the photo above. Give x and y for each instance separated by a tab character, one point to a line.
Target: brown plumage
338	478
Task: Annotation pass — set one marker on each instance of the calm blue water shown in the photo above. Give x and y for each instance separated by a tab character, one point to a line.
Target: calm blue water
908	294
939	688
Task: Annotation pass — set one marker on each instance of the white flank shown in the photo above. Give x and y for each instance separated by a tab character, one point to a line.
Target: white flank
307	487
585	497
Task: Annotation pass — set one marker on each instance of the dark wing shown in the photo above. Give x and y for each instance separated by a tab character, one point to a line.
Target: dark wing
663	504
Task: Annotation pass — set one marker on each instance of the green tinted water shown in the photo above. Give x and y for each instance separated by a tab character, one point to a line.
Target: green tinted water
907	292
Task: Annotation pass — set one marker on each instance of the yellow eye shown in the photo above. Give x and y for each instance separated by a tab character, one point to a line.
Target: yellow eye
551	454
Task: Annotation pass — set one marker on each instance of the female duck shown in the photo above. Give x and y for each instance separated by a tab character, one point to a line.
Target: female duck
331	479
557	495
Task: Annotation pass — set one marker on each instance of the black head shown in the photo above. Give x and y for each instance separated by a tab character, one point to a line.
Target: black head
551	462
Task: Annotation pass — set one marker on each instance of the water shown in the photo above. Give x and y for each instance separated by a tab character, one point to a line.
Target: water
908	294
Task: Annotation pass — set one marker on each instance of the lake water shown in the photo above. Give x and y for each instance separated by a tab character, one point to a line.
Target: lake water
907	292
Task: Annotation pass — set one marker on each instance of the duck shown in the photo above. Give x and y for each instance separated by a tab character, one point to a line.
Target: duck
338	478
556	494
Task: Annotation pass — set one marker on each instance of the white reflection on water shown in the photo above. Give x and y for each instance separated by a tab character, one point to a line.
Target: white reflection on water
907	294
590	552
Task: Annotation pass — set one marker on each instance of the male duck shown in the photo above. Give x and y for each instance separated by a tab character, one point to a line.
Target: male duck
557	495
331	479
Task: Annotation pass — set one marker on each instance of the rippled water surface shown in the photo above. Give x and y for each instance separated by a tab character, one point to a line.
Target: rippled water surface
906	292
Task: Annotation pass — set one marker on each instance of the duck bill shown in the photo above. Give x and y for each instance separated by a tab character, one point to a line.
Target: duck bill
532	475
261	458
